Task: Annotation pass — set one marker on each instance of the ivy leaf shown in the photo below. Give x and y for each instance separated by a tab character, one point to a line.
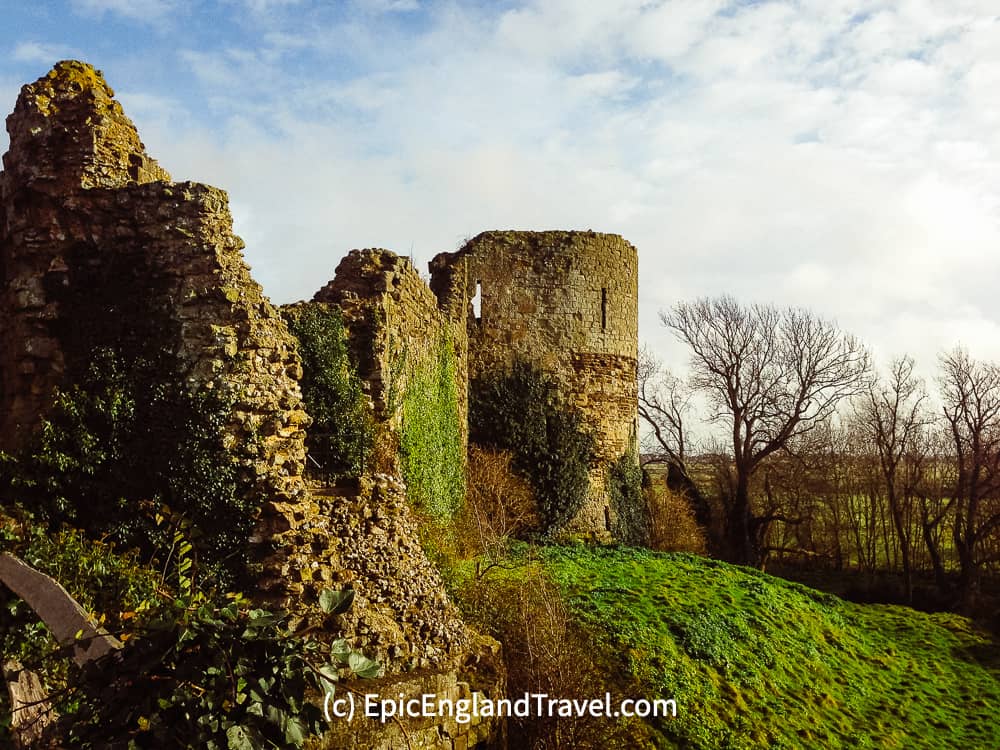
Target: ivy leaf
239	739
295	731
340	650
329	674
336	602
362	666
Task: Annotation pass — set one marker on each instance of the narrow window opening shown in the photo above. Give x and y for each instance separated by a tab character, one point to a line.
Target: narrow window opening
477	302
604	309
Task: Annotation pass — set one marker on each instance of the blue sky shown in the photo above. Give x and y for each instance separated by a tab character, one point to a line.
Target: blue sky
839	155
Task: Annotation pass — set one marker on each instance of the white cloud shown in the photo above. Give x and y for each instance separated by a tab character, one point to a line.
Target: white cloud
138	10
798	153
43	53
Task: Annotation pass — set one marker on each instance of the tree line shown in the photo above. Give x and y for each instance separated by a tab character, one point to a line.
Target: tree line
819	457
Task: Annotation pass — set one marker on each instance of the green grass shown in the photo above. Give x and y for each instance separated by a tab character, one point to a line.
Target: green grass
754	661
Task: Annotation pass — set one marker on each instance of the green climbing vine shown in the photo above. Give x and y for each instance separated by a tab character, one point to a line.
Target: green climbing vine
127	433
628	505
119	444
431	441
339	440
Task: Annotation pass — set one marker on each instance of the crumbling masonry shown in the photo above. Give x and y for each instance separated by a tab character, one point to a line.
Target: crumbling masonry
90	224
87	216
567	302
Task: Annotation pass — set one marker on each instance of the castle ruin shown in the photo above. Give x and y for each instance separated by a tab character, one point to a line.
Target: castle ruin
99	247
567	303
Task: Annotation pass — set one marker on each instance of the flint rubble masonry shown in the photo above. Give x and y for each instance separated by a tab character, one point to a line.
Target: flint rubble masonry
81	200
567	302
79	191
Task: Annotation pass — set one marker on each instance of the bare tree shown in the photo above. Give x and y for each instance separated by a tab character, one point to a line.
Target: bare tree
892	415
970	394
934	492
770	374
664	404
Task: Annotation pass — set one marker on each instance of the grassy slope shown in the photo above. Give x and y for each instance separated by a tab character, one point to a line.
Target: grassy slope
758	662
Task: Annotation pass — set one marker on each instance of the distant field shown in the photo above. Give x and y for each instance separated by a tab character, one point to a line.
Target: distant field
758	662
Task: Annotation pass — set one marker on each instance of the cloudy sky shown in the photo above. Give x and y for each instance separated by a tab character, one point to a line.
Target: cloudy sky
839	155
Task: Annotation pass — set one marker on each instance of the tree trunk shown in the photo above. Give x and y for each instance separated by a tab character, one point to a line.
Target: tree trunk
904	543
31	711
935	555
743	550
968	577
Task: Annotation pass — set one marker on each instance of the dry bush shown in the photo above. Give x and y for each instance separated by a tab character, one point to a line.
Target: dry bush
672	520
499	504
545	653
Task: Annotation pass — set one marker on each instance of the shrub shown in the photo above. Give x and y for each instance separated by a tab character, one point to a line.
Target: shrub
197	669
121	443
521	411
340	438
628	503
221	675
673	527
431	441
104	582
499	505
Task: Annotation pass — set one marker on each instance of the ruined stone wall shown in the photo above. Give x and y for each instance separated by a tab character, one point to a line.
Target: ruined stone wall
89	222
67	132
393	324
88	216
443	732
365	536
568	303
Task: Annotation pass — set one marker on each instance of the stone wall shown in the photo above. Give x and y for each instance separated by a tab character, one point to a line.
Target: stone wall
393	324
90	223
67	132
415	733
364	536
568	303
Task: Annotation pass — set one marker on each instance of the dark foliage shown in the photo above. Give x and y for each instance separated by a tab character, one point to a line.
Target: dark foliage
117	448
218	676
631	516
520	411
127	435
340	438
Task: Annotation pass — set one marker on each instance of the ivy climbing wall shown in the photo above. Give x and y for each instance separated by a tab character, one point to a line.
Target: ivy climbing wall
567	303
88	215
412	358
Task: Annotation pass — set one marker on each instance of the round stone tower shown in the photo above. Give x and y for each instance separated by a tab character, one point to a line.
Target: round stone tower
567	302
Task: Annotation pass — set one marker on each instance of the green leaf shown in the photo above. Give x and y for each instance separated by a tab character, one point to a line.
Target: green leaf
340	649
362	666
239	739
295	731
329	674
336	602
